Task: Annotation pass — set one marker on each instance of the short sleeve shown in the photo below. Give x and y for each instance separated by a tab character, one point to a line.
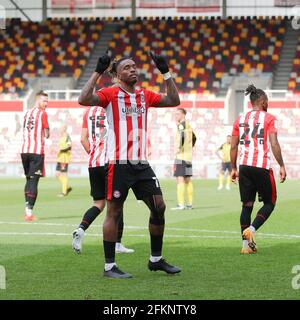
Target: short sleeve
272	125
104	95
45	124
152	98
235	129
85	119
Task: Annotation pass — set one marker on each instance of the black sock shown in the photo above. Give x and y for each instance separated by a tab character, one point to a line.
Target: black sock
245	219
156	245
26	190
262	215
31	190
89	217
109	251
120	229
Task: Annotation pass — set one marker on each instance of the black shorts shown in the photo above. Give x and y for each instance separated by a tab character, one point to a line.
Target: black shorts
139	177
97	183
62	167
226	166
254	180
183	168
33	164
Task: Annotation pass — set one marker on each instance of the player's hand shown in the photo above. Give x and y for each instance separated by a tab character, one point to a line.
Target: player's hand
103	63
234	176
160	62
282	174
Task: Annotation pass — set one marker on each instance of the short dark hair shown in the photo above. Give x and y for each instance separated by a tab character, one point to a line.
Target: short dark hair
114	65
182	110
41	93
255	93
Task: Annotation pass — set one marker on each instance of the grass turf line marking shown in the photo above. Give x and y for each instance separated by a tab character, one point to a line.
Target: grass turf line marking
129	235
273	235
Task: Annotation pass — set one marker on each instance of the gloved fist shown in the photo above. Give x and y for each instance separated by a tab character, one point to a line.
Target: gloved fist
160	62
103	63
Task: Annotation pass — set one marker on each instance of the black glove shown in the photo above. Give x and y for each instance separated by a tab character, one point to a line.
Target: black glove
160	62
103	63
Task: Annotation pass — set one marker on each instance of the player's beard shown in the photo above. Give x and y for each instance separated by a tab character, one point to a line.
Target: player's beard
132	82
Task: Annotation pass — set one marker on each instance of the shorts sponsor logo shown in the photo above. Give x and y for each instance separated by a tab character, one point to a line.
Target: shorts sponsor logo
117	194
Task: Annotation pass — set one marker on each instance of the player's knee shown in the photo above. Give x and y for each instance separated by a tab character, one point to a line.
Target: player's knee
100	204
158	214
248	204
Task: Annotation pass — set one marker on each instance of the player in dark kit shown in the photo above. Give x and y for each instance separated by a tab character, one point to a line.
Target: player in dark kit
126	110
252	131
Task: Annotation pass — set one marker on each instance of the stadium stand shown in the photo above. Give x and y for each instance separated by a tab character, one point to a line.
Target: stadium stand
52	48
294	81
201	52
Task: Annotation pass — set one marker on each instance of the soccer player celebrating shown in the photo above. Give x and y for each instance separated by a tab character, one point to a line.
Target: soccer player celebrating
252	131
185	141
63	160
93	140
224	154
126	109
35	130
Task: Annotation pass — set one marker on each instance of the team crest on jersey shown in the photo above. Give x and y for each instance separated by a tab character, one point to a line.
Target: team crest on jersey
117	194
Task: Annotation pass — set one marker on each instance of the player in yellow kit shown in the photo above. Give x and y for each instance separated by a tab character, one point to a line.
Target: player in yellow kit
224	154
185	141
63	160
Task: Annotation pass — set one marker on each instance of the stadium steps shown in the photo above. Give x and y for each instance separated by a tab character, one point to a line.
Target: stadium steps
282	73
99	49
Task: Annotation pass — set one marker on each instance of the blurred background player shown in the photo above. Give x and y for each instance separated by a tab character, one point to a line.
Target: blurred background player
128	168
185	141
35	130
252	131
224	154
93	140
63	160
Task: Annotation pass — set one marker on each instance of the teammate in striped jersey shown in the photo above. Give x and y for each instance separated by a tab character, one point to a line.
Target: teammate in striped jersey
252	131
126	110
35	130
93	140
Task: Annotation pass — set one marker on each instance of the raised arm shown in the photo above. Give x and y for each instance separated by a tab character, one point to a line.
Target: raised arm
277	154
87	96
171	99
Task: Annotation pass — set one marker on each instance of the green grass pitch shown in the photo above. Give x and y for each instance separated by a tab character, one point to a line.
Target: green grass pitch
205	242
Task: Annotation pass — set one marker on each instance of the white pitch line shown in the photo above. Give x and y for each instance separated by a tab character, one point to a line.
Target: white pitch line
129	235
273	235
100	235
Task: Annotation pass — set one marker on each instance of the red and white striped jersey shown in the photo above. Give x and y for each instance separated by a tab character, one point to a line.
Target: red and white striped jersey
253	129
34	123
127	121
94	120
